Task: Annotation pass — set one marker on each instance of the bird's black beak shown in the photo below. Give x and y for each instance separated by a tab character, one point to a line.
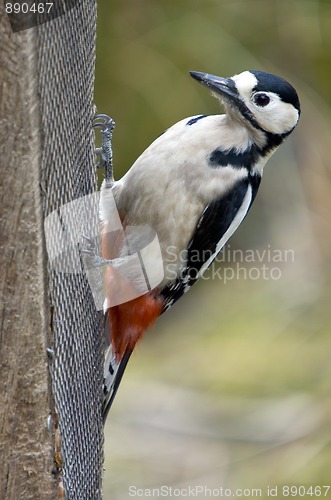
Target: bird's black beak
225	87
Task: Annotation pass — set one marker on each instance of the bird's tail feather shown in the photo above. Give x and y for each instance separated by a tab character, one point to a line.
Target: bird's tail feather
113	373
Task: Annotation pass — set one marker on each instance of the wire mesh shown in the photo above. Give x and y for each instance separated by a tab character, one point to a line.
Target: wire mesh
66	59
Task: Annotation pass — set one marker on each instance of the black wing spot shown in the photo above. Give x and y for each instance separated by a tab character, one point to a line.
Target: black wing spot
192	121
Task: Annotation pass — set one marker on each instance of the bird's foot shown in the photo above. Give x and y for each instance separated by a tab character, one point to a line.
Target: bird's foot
105	153
93	259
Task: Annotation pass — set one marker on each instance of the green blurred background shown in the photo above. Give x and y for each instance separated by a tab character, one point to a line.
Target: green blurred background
232	387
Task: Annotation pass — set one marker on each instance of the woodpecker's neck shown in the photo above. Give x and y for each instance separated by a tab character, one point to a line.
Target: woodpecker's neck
260	145
236	119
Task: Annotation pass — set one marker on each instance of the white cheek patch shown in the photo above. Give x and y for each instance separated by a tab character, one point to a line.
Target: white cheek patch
278	117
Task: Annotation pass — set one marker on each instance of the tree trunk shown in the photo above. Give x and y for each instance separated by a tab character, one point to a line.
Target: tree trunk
26	445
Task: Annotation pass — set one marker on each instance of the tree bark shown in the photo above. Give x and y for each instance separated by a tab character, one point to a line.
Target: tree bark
26	445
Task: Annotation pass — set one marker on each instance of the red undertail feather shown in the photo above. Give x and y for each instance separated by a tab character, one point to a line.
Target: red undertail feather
130	320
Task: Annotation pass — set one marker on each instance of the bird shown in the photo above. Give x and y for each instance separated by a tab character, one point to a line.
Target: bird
193	186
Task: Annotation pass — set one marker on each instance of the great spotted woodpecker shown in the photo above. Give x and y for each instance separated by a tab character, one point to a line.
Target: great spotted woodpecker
193	185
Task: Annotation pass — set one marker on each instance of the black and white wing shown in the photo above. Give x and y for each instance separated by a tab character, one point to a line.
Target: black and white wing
218	222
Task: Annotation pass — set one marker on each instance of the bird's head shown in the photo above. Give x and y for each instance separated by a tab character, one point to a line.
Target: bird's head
267	102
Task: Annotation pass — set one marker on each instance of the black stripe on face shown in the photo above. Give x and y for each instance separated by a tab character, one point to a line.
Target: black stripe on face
239	105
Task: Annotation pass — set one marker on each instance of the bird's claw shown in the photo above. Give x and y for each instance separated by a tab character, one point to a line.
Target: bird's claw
105	122
105	154
89	251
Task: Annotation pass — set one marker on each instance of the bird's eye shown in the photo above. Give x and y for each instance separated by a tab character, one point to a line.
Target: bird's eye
261	100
